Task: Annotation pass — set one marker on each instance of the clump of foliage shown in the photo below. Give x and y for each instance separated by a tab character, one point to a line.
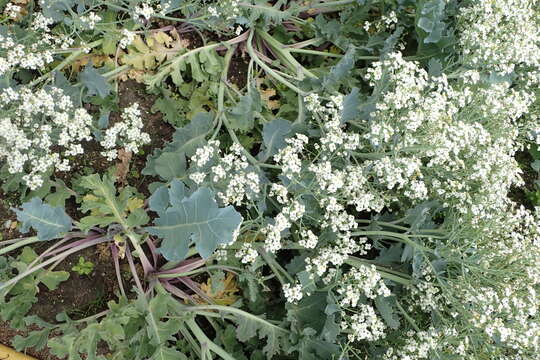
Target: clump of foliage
83	267
348	196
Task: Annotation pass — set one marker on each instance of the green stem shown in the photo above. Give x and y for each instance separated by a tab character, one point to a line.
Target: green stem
204	340
66	61
116	70
269	70
276	268
26	241
404	238
197	271
406	316
284	54
314	52
233	310
51	261
326	4
393	275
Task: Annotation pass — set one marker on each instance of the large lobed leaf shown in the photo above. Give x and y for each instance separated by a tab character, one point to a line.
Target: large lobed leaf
195	218
49	222
170	162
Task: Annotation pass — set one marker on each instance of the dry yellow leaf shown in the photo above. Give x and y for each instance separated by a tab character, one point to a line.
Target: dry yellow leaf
228	295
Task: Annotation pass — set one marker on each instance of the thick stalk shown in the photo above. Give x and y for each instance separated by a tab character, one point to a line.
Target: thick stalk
204	340
26	241
52	260
267	68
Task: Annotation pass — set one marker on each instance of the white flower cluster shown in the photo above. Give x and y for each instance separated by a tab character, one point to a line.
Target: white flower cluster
144	10
89	21
33	49
247	254
126	133
289	158
423	345
364	324
229	173
127	38
293	294
282	222
12	11
226	10
452	143
361	281
500	35
33	125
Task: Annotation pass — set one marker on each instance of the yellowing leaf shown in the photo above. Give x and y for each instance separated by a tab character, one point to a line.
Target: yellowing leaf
227	296
149	52
120	243
134	203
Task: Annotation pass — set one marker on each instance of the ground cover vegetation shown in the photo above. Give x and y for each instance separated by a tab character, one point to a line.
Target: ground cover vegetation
252	179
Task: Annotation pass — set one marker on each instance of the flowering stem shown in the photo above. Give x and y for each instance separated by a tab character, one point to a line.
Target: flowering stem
404	238
64	63
276	268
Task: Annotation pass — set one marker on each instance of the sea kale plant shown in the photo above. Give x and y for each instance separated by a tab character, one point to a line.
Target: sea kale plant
345	179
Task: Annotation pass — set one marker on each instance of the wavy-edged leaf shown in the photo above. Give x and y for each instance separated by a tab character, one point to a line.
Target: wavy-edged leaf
197	219
249	325
242	115
274	134
341	70
49	222
185	141
95	82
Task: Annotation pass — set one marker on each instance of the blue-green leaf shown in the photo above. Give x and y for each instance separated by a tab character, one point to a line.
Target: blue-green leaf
242	115
351	103
95	82
49	222
197	219
274	135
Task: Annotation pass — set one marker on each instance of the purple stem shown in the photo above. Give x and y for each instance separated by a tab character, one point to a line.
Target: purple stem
153	250
188	265
73	244
176	291
114	252
195	287
134	270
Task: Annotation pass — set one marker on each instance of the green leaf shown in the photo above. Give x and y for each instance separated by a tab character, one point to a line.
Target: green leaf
249	325
430	23
51	279
195	218
95	82
274	134
351	103
242	115
170	165
172	109
185	141
35	339
384	305
49	222
167	353
341	70
60	195
106	207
